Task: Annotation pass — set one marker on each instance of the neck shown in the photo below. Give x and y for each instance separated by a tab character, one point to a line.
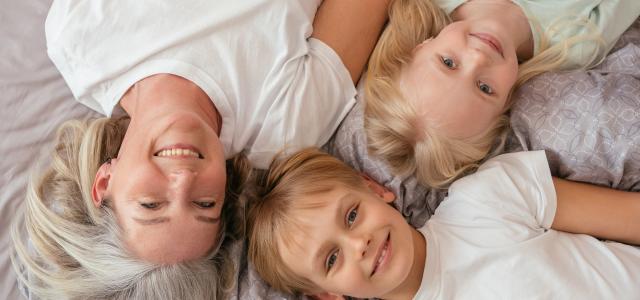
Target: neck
411	285
164	93
508	14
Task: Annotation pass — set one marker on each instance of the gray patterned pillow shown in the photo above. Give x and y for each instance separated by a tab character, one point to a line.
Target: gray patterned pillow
587	121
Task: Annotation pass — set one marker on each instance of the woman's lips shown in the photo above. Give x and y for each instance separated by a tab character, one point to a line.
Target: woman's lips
179	151
489	40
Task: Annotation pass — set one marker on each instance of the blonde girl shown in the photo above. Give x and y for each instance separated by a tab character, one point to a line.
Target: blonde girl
440	79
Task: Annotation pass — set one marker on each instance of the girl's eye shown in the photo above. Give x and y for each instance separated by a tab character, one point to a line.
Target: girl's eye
205	204
152	205
331	260
351	216
485	88
448	62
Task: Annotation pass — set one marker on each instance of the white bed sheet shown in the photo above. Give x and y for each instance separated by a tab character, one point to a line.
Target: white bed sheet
35	100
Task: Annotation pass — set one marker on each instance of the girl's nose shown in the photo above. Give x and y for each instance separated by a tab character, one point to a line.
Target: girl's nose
476	59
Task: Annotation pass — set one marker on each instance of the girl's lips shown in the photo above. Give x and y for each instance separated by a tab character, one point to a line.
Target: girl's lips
490	40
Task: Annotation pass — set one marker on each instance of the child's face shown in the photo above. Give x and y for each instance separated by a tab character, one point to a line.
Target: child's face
461	79
356	244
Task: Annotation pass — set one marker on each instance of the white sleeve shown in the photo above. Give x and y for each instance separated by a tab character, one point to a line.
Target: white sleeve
514	187
317	95
64	49
611	19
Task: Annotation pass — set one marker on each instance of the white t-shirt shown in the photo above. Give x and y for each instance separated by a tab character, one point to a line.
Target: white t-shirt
491	239
609	17
271	83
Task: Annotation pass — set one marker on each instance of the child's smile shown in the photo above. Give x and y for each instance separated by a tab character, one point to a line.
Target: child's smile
351	243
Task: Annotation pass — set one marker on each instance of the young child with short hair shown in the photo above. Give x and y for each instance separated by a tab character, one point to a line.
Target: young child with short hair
440	80
319	227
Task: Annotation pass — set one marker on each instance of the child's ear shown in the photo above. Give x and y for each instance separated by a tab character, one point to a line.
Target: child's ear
380	190
326	296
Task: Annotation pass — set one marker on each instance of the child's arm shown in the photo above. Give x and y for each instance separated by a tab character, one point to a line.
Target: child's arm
598	211
351	28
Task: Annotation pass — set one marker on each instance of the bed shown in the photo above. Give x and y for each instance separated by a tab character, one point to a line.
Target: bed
599	144
36	100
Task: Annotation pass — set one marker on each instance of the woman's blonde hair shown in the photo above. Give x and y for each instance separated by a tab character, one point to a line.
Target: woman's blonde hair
395	131
74	250
277	197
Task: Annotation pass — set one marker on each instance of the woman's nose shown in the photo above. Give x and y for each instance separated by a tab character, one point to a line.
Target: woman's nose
181	181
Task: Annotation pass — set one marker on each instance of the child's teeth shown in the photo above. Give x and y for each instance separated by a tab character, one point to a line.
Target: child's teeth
382	255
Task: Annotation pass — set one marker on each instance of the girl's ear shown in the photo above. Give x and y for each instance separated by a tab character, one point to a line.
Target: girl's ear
380	190
326	296
101	183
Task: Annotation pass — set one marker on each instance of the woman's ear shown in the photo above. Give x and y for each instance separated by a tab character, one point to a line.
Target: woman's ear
326	296
380	190
101	183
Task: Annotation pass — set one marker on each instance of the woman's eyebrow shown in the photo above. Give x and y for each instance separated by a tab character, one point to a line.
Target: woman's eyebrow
159	220
152	221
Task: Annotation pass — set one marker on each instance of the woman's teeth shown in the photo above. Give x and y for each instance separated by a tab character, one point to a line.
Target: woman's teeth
178	152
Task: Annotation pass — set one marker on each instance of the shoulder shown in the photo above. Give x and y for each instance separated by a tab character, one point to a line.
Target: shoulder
512	166
514	182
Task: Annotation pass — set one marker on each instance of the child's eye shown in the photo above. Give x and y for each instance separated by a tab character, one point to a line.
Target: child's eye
150	205
331	260
351	216
448	62
485	88
205	204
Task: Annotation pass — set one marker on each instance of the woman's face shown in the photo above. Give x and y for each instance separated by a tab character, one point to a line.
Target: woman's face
167	186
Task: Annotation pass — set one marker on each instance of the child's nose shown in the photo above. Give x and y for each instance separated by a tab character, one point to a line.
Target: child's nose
476	59
361	245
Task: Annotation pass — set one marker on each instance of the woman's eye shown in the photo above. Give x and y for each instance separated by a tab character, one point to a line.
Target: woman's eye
351	216
331	260
485	88
448	62
152	205
205	204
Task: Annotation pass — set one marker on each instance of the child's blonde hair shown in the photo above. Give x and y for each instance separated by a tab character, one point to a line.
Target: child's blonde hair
277	198
394	128
74	250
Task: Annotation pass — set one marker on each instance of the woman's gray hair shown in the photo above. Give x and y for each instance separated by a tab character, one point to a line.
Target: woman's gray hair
74	250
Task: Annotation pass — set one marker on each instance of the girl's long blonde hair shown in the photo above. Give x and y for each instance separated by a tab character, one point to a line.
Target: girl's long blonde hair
73	250
394	128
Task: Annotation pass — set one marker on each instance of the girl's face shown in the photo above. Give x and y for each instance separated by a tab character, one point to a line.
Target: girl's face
461	79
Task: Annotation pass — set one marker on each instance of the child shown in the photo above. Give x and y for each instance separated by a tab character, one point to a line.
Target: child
321	228
438	85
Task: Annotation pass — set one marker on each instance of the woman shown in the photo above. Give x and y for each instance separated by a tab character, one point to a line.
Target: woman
146	206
